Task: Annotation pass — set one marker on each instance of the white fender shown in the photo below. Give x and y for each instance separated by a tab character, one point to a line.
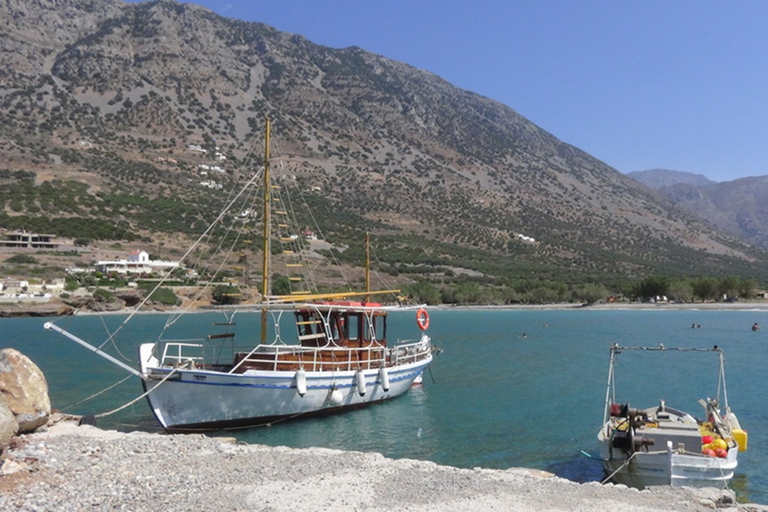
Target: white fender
384	378
360	381
335	397
301	382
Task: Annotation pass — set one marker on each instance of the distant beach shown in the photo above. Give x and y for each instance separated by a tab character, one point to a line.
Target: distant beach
60	308
617	306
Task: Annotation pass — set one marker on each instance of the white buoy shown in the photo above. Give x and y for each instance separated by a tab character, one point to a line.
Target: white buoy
335	397
384	378
301	382
360	381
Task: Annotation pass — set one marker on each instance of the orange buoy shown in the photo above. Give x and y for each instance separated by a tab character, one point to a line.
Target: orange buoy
422	319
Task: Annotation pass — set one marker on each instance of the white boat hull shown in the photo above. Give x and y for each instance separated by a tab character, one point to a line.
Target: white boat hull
199	400
667	467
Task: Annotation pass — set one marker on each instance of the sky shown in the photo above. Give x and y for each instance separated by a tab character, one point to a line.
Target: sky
680	85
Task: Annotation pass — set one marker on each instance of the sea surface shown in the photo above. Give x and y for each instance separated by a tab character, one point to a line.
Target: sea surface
512	388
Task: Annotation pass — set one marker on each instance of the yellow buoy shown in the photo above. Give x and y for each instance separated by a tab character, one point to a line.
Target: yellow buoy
741	438
718	443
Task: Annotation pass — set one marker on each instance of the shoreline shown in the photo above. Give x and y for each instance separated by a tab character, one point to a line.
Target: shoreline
58	308
142	471
621	306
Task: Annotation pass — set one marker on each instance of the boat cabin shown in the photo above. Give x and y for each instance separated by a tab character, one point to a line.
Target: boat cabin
332	336
342	325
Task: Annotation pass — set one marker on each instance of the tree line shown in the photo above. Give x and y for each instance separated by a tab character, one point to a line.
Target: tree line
648	289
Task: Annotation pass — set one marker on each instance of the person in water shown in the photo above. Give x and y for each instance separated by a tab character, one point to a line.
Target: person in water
755	327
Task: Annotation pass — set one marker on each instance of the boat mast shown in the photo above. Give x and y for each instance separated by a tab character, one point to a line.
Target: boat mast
367	268
610	389
266	234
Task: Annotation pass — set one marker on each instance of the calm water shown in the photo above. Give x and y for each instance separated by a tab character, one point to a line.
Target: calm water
494	399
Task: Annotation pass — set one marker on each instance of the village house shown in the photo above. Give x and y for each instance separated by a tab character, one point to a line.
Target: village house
138	262
22	239
22	290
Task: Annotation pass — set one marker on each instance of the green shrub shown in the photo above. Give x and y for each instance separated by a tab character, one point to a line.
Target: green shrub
165	296
103	295
22	258
225	294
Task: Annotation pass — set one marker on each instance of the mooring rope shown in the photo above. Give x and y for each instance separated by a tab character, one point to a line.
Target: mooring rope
105	414
97	393
626	463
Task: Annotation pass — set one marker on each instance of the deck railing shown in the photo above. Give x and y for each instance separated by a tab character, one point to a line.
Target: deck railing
284	358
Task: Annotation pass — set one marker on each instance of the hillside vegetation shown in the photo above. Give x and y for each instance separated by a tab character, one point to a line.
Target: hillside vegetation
100	101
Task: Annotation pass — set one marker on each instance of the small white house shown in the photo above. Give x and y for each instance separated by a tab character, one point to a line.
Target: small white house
138	262
197	148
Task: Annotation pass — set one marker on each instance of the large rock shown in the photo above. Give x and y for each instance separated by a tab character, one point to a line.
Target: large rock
8	424
25	390
53	308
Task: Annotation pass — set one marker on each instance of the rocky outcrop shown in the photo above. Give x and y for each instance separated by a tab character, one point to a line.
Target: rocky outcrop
24	392
8	424
95	303
52	308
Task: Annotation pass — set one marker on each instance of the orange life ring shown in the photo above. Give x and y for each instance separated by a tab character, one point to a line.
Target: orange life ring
422	319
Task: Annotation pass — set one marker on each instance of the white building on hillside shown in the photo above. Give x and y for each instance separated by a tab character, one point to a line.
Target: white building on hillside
138	262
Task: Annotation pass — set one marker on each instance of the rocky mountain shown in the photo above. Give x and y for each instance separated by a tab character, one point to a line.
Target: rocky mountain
734	207
660	178
101	100
738	207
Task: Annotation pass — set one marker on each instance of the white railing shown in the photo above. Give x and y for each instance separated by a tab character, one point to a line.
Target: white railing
277	357
177	354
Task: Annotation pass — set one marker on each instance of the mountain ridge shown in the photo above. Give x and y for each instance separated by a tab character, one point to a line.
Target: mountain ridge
452	174
734	207
660	178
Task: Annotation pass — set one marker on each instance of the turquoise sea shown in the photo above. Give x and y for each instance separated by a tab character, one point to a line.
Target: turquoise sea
512	388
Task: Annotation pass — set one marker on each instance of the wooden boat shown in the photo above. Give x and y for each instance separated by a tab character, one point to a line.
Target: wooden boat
340	358
661	445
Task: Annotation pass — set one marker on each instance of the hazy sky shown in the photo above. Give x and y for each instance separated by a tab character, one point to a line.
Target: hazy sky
639	84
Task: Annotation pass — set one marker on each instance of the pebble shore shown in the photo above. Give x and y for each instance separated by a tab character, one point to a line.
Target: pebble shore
67	467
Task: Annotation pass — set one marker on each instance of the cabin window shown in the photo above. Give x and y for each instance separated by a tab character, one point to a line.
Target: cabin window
352	329
302	323
335	331
375	328
310	328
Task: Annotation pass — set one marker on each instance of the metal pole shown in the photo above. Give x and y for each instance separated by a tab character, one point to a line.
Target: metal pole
50	326
266	233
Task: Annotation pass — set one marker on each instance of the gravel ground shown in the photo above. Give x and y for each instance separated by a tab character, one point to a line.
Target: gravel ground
74	468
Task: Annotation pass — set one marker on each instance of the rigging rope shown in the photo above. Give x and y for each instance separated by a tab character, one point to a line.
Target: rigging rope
105	414
323	237
625	464
97	393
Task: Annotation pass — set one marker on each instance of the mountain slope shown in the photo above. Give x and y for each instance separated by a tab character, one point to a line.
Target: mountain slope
660	178
101	99
738	207
735	207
